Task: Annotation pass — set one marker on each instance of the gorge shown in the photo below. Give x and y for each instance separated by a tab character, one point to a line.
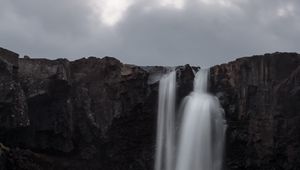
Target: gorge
98	113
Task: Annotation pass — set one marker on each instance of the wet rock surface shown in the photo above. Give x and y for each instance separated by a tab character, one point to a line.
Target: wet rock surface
97	113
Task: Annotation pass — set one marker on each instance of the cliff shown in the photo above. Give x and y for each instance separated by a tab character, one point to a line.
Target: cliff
261	97
97	113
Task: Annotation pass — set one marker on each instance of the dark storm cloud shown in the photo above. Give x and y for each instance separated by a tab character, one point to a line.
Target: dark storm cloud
149	34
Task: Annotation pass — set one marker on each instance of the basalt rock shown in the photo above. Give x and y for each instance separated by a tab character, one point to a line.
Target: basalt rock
82	114
13	106
97	113
260	95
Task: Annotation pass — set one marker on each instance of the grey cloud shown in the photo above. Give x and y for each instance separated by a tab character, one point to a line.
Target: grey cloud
198	34
207	35
64	17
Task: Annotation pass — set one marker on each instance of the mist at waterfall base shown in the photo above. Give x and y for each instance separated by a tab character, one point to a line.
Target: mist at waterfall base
199	142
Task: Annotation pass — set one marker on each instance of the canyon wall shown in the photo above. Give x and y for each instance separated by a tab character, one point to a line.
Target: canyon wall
97	113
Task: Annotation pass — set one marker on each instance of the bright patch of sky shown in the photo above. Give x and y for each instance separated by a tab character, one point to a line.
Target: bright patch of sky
286	10
110	12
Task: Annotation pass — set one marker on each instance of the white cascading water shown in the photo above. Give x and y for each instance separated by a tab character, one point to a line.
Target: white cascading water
202	129
164	158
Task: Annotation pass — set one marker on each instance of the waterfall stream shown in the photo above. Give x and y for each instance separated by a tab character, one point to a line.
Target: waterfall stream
202	129
164	158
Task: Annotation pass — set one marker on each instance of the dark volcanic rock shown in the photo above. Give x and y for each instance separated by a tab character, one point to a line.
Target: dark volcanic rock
260	95
97	113
80	113
106	94
13	106
47	90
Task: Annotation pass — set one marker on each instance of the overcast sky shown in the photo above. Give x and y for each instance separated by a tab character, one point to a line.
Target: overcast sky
150	32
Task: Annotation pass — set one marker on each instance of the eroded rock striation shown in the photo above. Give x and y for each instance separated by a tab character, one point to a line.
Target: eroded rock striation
97	113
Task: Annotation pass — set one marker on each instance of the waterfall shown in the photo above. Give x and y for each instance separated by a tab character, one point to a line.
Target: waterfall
201	132
202	129
164	158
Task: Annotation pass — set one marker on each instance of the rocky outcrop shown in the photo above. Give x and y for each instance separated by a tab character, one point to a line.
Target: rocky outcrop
13	105
261	97
89	113
97	113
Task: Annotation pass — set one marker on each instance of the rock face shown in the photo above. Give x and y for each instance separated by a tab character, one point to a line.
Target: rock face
101	114
261	97
13	106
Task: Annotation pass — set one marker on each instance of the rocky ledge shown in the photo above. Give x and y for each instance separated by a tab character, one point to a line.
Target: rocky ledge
97	113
